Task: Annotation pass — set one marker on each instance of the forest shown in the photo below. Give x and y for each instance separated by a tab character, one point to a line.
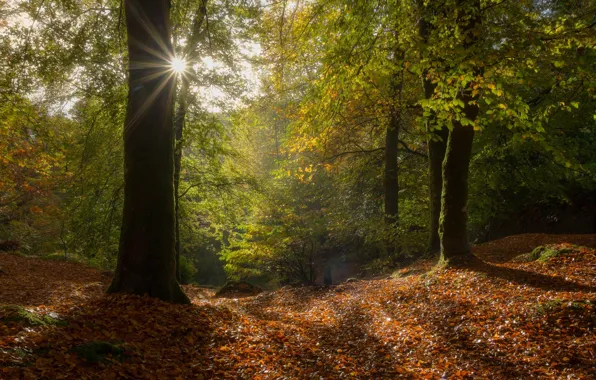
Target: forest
297	189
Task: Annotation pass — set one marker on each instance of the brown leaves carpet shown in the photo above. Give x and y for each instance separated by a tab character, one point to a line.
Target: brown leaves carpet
494	320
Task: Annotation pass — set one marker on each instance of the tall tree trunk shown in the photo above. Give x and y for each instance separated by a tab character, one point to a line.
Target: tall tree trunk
437	143
455	247
178	129
189	55
390	181
391	173
146	260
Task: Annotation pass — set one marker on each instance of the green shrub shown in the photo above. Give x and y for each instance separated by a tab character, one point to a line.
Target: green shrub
187	270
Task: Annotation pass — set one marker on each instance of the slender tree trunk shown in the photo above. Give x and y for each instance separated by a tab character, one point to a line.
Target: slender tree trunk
190	55
455	247
178	129
146	260
390	182
437	143
391	173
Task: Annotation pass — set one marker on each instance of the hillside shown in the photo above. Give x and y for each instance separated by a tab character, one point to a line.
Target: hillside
499	319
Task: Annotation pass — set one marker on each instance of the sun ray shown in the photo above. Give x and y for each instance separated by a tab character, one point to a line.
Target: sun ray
149	102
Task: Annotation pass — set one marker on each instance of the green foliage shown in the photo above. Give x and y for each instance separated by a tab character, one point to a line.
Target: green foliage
187	270
276	184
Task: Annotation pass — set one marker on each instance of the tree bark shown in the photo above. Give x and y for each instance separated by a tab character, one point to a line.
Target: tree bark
178	130
391	180
391	173
453	230
189	55
454	214
391	183
146	260
437	144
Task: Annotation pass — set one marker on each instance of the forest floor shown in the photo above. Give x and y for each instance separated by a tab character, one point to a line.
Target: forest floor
497	319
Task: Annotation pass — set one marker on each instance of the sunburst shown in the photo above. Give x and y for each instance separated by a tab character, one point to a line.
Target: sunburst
178	65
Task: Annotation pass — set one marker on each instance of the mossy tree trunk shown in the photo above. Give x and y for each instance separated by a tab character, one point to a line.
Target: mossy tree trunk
146	260
437	141
437	145
453	229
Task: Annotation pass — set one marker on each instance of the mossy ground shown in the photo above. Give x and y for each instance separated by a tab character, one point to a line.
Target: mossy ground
559	305
544	253
18	314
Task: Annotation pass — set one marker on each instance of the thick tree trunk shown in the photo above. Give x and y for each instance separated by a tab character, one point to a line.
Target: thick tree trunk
437	143
453	229
146	260
454	214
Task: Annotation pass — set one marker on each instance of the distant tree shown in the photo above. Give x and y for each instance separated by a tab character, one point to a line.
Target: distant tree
146	260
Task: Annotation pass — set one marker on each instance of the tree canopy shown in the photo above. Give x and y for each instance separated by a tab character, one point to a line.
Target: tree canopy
308	134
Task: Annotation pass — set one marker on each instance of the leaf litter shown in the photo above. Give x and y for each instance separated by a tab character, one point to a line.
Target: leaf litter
496	319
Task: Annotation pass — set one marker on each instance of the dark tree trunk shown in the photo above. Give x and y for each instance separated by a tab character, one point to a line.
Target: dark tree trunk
391	171
455	247
437	143
391	179
454	213
178	129
146	260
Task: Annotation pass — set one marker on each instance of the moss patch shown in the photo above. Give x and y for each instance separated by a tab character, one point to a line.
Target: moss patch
543	253
58	256
100	351
16	313
559	305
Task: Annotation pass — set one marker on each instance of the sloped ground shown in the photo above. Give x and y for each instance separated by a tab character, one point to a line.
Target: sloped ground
494	320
